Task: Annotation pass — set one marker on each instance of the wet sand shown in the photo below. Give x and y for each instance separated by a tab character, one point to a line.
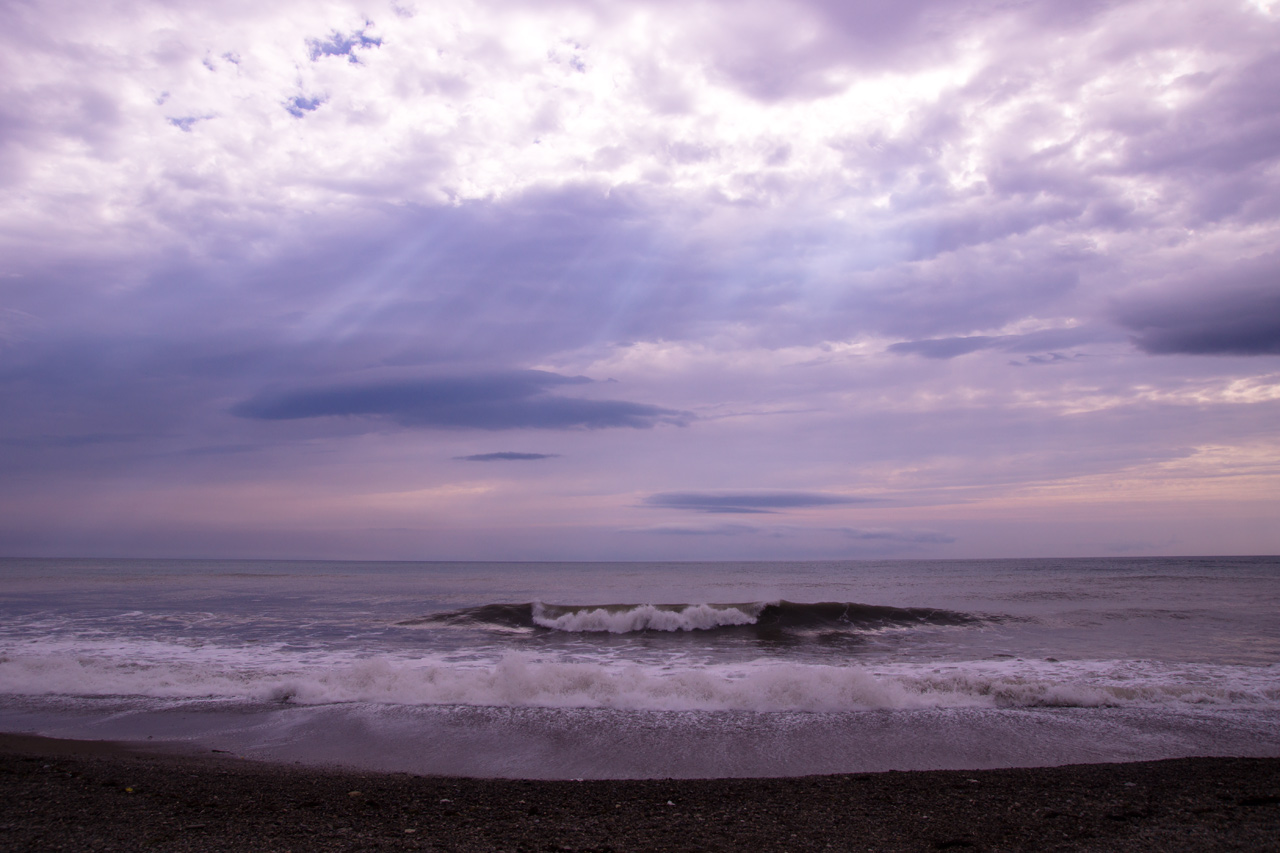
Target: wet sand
81	795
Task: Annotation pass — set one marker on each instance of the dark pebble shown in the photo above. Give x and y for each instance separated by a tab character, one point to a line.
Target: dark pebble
226	804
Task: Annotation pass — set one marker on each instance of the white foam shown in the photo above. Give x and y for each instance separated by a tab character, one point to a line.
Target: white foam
645	617
523	680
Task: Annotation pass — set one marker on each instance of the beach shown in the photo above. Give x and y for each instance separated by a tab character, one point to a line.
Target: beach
91	795
514	425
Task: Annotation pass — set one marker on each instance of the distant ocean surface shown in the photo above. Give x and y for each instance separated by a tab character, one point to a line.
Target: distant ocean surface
608	670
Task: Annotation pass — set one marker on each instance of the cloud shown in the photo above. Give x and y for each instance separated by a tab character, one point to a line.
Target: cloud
496	401
205	211
824	40
919	536
185	123
1235	312
713	530
748	502
506	456
1048	358
946	348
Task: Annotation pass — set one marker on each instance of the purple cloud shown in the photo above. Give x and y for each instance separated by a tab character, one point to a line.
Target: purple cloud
511	400
749	502
506	456
1233	311
921	536
945	348
816	233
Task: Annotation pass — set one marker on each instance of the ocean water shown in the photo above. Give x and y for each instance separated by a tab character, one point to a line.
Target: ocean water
616	670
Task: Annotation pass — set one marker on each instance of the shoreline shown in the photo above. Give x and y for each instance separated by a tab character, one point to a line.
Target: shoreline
99	795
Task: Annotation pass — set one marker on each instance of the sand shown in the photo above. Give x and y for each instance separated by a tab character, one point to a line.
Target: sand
77	795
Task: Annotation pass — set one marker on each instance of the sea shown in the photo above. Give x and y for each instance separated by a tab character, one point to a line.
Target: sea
649	670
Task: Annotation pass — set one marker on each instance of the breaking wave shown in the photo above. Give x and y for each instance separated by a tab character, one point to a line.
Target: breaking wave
522	680
776	618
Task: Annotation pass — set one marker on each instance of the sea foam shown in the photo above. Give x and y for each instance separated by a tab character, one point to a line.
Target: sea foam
645	617
770	617
524	680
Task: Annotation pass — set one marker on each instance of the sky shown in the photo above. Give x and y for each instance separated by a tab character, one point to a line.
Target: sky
578	280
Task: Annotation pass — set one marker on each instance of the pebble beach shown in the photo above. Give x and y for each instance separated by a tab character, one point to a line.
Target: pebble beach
92	795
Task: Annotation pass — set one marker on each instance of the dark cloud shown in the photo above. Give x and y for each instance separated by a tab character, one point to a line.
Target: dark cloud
1242	324
506	456
748	502
1236	312
510	400
137	344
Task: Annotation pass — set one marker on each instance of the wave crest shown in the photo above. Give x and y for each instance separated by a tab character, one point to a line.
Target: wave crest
644	617
521	680
768	618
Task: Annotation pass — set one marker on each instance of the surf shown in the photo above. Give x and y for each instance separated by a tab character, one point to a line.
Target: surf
770	617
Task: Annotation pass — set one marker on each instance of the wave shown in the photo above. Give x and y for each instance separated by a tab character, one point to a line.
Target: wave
766	619
521	680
